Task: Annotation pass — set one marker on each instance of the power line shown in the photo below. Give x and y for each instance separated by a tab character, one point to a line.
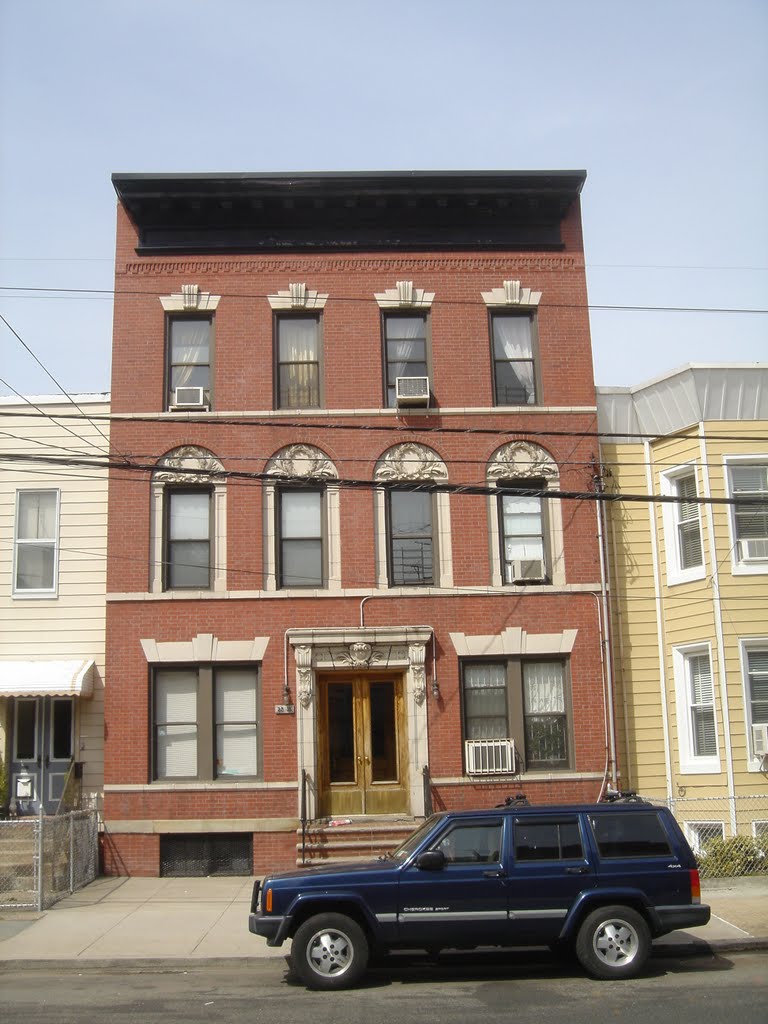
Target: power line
106	292
426	486
398	428
58	385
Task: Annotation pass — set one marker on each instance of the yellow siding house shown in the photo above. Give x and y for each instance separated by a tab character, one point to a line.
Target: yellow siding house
689	592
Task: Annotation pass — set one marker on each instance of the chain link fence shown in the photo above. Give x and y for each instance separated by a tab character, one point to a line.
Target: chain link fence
44	859
729	835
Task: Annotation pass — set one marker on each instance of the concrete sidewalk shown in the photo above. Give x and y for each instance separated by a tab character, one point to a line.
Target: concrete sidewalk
177	919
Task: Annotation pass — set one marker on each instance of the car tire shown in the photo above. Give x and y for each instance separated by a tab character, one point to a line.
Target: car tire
613	942
329	951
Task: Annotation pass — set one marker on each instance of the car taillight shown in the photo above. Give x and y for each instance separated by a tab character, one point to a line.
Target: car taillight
695	885
268	900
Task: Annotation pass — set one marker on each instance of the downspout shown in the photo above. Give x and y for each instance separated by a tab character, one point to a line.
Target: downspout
605	647
718	617
659	623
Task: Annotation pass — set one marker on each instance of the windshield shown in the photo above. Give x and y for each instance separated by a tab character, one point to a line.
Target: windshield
415	839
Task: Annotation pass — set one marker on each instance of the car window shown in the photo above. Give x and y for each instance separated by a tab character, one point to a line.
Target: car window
629	835
548	840
471	843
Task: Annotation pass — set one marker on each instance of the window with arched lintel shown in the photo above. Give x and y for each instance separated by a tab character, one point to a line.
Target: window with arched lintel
525	528
188	542
302	534
413	525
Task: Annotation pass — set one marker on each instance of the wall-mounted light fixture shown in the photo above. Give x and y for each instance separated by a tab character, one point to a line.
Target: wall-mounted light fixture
435	688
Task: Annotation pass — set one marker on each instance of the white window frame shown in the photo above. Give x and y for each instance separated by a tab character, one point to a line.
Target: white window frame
690	763
738	567
676	574
47	592
693	835
746	645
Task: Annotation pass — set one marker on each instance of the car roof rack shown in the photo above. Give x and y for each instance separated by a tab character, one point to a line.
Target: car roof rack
624	796
519	800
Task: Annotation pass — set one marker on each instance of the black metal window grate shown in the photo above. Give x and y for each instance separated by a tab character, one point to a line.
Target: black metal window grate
199	856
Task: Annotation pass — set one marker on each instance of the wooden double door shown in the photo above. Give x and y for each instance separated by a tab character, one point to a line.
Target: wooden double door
362	748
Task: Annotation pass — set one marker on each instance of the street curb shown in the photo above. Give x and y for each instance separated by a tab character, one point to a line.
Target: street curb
185	964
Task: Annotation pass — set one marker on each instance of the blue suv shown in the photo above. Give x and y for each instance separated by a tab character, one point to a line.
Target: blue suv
602	879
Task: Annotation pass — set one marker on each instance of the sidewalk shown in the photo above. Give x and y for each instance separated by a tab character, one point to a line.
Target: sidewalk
177	919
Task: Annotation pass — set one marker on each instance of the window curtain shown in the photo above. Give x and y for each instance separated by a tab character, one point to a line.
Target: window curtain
190	350
485	702
512	337
37	516
176	724
236	739
544	689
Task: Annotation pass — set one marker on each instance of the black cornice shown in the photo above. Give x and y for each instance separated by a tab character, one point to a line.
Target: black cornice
394	210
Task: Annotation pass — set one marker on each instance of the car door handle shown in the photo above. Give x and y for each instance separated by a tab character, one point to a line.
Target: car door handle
499	873
577	871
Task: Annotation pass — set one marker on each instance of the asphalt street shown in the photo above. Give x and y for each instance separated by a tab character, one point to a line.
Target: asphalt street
528	988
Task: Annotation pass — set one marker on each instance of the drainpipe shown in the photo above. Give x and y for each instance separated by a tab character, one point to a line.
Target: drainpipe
718	617
605	647
659	623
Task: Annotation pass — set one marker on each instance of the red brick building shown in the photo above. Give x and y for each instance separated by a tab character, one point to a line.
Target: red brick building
348	577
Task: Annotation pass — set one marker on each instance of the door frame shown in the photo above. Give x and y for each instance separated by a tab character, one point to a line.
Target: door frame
364	649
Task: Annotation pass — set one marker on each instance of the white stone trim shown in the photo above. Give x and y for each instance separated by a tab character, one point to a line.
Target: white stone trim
404	296
525	460
514	642
204	648
411	462
298	296
188	465
511	293
190	300
297	462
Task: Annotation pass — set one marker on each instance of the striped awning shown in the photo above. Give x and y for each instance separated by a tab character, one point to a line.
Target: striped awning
47	678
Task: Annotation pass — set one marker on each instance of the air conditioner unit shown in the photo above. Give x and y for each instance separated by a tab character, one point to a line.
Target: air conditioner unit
412	390
490	757
754	550
189	398
529	570
760	740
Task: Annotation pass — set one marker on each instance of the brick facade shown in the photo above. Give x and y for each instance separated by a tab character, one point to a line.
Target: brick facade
243	431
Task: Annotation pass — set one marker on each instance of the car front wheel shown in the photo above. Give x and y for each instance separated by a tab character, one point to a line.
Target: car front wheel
613	942
329	951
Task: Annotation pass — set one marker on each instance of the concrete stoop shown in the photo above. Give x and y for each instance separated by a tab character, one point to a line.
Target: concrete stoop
351	839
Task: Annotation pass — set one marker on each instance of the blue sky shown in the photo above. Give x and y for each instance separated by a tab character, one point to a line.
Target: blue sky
664	103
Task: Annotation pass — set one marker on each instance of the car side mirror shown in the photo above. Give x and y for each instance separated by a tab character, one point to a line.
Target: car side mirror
431	860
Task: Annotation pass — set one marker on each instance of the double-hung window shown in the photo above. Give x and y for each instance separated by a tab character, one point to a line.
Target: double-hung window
514	366
298	348
405	350
36	542
301	538
189	362
525	701
750	520
756	671
689	550
188	533
695	694
411	549
205	723
522	530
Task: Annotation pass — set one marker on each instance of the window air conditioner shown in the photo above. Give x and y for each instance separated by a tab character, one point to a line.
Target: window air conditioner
189	398
412	390
754	550
490	757
527	571
760	740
